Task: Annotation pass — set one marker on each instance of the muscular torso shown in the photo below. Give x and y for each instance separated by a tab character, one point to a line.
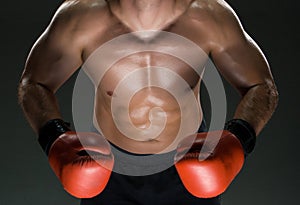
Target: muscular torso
133	88
146	83
148	118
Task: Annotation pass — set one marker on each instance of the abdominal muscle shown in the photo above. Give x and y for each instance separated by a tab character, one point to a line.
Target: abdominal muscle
146	108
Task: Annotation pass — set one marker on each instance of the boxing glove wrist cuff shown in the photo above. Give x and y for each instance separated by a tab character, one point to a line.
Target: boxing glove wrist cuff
244	132
50	132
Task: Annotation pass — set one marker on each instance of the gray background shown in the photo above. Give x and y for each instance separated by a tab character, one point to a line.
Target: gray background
271	174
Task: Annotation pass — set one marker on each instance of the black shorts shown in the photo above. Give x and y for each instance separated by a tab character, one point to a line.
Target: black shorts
161	188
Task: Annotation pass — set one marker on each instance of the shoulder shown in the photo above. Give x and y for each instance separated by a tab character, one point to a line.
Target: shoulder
211	6
74	12
75	6
217	12
220	22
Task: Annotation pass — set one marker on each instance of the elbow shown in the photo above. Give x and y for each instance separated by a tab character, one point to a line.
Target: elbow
266	92
272	92
23	85
269	94
27	83
275	99
29	88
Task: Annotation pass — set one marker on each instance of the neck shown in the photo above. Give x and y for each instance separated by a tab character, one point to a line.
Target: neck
148	14
147	5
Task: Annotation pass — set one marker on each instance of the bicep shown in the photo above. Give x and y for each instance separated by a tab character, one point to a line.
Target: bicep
53	59
239	59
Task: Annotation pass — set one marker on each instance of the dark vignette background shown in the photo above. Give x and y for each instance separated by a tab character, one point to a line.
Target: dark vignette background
271	174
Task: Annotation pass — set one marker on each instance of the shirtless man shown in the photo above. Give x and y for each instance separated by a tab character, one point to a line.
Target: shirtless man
77	30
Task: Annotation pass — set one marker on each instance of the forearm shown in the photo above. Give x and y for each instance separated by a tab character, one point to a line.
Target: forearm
39	104
258	105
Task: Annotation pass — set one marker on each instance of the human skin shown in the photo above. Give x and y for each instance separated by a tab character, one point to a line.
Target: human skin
79	27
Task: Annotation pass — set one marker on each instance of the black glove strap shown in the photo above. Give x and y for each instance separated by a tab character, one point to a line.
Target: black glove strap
244	132
50	132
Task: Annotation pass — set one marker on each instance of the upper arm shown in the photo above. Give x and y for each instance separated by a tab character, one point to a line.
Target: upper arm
236	55
56	55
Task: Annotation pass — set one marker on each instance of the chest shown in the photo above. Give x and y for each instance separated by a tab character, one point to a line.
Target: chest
151	56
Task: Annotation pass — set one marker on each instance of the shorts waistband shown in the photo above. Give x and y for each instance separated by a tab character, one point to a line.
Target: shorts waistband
140	164
133	164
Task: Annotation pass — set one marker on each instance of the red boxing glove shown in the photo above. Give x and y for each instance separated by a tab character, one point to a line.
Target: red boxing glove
83	170
82	161
210	177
